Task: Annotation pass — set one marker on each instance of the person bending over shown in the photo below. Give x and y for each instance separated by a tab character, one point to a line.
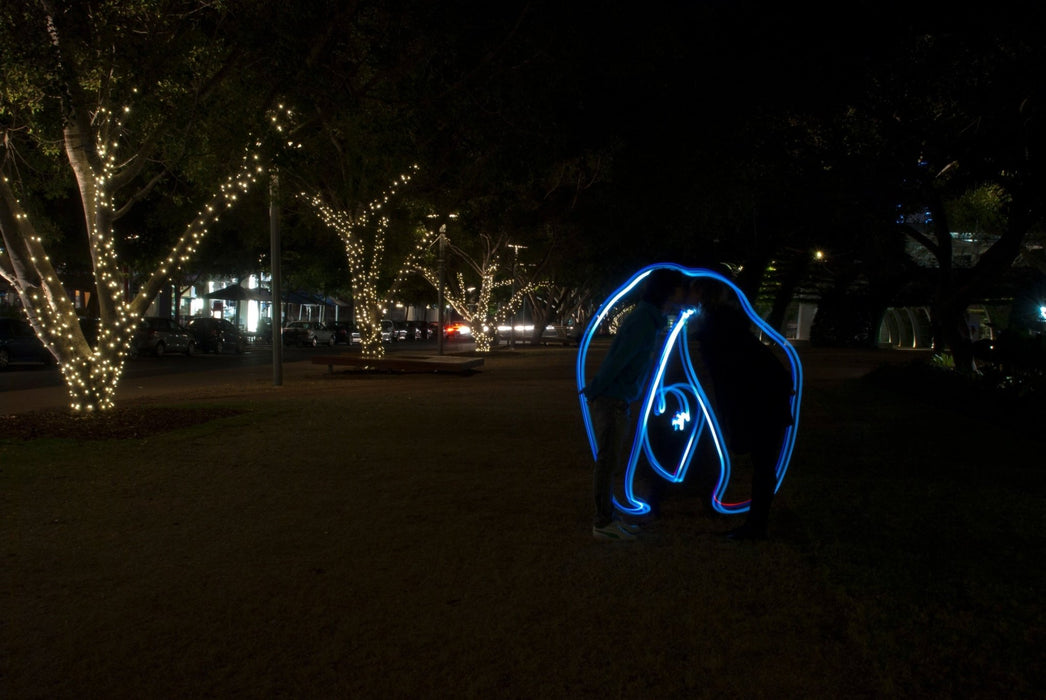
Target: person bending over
619	382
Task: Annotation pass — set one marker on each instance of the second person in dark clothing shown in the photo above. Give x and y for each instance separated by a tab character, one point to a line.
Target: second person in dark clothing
752	392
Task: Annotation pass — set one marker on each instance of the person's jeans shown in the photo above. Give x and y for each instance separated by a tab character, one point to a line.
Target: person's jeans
766	448
609	422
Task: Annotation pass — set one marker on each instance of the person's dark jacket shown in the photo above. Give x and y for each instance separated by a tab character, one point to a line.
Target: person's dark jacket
623	371
752	387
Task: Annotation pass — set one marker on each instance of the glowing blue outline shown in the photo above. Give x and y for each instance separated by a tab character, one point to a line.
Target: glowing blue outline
657	396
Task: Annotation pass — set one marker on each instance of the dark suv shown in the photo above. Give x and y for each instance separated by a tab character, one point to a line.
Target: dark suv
157	335
217	335
343	332
18	343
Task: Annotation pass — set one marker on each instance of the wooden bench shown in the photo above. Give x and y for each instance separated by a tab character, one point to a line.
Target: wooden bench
403	363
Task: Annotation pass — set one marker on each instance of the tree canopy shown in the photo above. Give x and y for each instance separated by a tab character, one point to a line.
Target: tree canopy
600	139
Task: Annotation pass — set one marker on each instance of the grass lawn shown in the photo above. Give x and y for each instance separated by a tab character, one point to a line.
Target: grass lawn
415	536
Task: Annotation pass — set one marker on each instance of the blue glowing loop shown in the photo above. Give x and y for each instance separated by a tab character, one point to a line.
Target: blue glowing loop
686	403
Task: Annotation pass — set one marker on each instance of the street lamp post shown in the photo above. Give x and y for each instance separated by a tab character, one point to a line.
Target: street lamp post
442	259
515	262
276	307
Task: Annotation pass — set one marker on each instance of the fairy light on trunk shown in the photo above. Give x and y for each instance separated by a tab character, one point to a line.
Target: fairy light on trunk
92	373
364	270
472	303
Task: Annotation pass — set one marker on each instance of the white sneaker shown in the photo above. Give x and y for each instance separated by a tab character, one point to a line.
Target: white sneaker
612	532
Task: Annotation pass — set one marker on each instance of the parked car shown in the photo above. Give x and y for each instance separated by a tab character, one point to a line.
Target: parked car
343	333
19	343
419	330
386	332
402	330
217	335
157	335
562	335
311	333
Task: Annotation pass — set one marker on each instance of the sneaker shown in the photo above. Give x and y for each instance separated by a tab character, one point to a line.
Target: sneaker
612	532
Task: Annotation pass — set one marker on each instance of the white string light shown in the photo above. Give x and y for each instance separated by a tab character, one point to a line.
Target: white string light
364	273
91	374
475	309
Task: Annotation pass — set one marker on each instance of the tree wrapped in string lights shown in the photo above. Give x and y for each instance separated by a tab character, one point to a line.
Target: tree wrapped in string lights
366	258
92	373
475	304
63	112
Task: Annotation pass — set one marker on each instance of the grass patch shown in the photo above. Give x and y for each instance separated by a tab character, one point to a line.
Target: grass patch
411	536
930	516
125	422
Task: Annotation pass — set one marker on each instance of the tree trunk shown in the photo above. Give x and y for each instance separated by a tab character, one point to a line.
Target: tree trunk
98	219
537	331
950	326
952	330
484	339
542	314
371	345
92	380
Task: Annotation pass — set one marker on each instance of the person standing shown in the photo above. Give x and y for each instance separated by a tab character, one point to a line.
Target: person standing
618	382
751	392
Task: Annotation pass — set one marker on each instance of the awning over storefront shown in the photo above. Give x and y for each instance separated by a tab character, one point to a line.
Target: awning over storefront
235	292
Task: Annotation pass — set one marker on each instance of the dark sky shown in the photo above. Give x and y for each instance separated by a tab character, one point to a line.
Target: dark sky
752	55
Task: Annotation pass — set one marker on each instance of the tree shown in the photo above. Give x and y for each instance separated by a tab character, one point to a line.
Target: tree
960	113
364	238
77	71
473	297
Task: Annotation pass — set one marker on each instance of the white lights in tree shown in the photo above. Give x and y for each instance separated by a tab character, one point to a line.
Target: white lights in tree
473	303
92	372
365	261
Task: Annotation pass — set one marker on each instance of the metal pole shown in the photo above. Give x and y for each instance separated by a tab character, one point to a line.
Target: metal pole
515	317
276	308
442	246
512	321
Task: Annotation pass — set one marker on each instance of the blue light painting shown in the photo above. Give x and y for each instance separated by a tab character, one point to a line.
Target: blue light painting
683	406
